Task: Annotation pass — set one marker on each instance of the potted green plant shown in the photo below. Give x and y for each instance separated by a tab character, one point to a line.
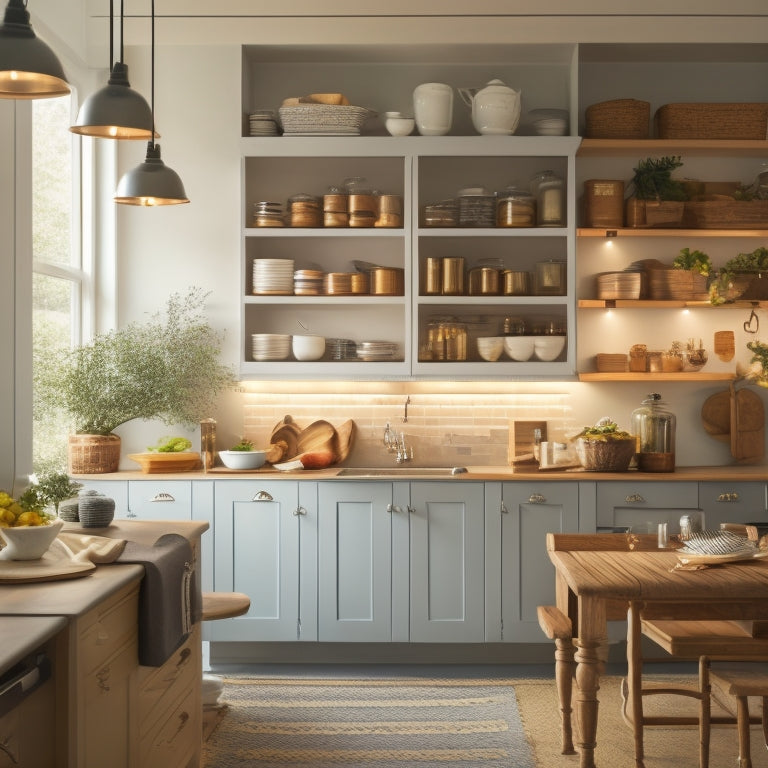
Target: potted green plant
55	487
166	368
743	277
657	199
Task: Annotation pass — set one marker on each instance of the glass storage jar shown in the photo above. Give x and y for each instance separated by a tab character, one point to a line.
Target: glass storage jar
515	208
654	428
547	187
477	207
446	340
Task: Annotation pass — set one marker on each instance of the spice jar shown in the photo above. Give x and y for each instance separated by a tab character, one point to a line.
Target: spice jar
654	428
547	186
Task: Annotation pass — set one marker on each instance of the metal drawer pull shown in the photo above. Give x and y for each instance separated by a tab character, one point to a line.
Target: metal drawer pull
536	498
634	498
394	508
262	496
729	496
163	497
298	511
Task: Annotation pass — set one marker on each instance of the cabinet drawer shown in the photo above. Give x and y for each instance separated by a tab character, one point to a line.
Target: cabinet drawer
108	627
732	502
617	503
158	687
176	737
160	499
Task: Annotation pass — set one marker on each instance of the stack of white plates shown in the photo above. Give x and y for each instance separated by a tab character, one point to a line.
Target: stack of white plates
550	122
270	346
273	277
263	122
372	351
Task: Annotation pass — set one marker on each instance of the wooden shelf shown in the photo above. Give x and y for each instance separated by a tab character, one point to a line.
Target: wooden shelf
677	376
608	234
637	147
665	304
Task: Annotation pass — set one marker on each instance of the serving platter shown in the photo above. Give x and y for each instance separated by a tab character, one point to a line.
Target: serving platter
692	558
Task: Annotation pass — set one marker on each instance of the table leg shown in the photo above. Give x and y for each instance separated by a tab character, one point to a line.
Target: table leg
589	666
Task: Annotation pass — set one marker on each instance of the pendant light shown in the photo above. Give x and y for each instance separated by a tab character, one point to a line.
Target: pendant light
29	69
115	111
153	182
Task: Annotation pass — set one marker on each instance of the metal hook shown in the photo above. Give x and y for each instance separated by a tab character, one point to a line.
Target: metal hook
748	323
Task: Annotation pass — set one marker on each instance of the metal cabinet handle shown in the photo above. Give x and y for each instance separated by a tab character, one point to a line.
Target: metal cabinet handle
162	496
536	498
504	510
298	511
394	508
728	496
634	498
262	496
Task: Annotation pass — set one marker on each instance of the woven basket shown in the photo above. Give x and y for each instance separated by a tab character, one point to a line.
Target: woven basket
618	119
726	214
654	213
93	454
712	121
679	284
605	455
324	118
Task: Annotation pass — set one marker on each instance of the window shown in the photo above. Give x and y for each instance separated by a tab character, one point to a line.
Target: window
60	281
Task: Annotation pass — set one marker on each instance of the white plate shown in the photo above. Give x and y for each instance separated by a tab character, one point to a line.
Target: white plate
696	559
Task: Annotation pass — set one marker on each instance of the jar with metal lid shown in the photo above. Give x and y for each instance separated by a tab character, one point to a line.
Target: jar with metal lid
547	187
515	208
654	428
483	281
304	210
446	340
514	326
477	207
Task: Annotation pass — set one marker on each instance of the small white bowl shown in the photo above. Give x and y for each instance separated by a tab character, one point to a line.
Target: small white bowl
28	542
548	348
243	459
519	348
397	125
308	347
490	347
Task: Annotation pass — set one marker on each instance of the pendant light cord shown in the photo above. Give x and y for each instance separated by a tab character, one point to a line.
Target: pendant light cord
152	91
112	34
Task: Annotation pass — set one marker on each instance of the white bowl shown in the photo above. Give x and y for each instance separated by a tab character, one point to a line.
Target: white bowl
243	459
28	542
308	347
519	348
490	347
548	348
399	126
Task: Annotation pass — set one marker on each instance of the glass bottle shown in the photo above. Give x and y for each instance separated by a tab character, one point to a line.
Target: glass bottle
653	425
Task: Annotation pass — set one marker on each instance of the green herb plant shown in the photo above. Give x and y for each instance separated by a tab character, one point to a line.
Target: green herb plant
171	445
693	261
653	179
243	445
605	430
55	487
166	368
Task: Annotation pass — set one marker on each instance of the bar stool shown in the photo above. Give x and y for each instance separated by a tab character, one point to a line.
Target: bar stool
220	605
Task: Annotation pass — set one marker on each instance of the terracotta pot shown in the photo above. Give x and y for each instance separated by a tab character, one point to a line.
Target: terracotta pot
93	454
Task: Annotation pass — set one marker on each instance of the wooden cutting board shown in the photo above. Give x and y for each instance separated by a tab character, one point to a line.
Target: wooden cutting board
318	436
345	433
716	415
747	425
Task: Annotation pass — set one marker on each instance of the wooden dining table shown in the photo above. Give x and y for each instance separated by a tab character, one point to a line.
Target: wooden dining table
588	583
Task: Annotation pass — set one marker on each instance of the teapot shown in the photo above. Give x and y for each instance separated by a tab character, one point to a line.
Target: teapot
495	108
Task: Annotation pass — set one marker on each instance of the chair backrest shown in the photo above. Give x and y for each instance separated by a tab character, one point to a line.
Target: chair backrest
601	542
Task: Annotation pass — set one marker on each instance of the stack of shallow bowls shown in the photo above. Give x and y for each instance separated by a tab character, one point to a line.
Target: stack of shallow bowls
490	347
372	351
273	277
548	348
550	122
337	283
341	349
263	122
270	346
308	282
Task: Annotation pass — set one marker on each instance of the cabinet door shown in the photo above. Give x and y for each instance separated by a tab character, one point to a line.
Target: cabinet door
355	561
257	551
447	562
160	500
732	503
642	505
529	511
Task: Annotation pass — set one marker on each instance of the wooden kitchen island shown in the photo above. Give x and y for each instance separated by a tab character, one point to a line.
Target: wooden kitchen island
101	706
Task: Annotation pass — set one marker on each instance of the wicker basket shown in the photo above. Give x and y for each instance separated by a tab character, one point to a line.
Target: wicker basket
603	203
324	119
726	214
654	213
93	454
618	119
679	284
712	121
605	455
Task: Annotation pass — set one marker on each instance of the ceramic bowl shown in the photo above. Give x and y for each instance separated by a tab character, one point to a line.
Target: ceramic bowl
308	347
548	348
243	459
398	125
490	347
28	542
519	348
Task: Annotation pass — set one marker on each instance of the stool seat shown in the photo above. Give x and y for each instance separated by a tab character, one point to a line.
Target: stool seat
224	605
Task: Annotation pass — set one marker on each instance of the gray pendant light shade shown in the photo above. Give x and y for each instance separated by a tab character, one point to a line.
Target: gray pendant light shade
115	111
151	183
29	69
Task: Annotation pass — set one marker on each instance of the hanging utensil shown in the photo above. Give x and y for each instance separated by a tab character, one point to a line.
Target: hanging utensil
748	324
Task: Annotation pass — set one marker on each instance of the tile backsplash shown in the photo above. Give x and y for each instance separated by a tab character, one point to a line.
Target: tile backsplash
444	429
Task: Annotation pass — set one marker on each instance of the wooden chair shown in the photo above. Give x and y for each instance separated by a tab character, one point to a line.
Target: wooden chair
683	639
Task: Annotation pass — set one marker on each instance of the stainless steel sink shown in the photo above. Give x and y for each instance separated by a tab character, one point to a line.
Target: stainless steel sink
401	471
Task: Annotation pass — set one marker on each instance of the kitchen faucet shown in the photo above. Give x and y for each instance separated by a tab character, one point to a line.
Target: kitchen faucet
396	444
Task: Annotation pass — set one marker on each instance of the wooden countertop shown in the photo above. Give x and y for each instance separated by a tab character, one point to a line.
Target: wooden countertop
730	473
23	634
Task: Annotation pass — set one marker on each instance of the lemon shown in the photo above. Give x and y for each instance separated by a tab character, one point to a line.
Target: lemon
30	518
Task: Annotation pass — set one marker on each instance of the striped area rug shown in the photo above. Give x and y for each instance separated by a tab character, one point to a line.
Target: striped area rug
368	723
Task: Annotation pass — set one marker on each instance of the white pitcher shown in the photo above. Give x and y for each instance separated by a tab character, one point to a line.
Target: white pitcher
495	108
433	108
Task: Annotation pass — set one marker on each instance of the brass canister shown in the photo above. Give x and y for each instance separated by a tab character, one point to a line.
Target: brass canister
387	281
447	341
516	283
453	276
432	277
483	281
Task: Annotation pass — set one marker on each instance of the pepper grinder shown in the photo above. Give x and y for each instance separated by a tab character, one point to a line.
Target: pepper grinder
208	442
